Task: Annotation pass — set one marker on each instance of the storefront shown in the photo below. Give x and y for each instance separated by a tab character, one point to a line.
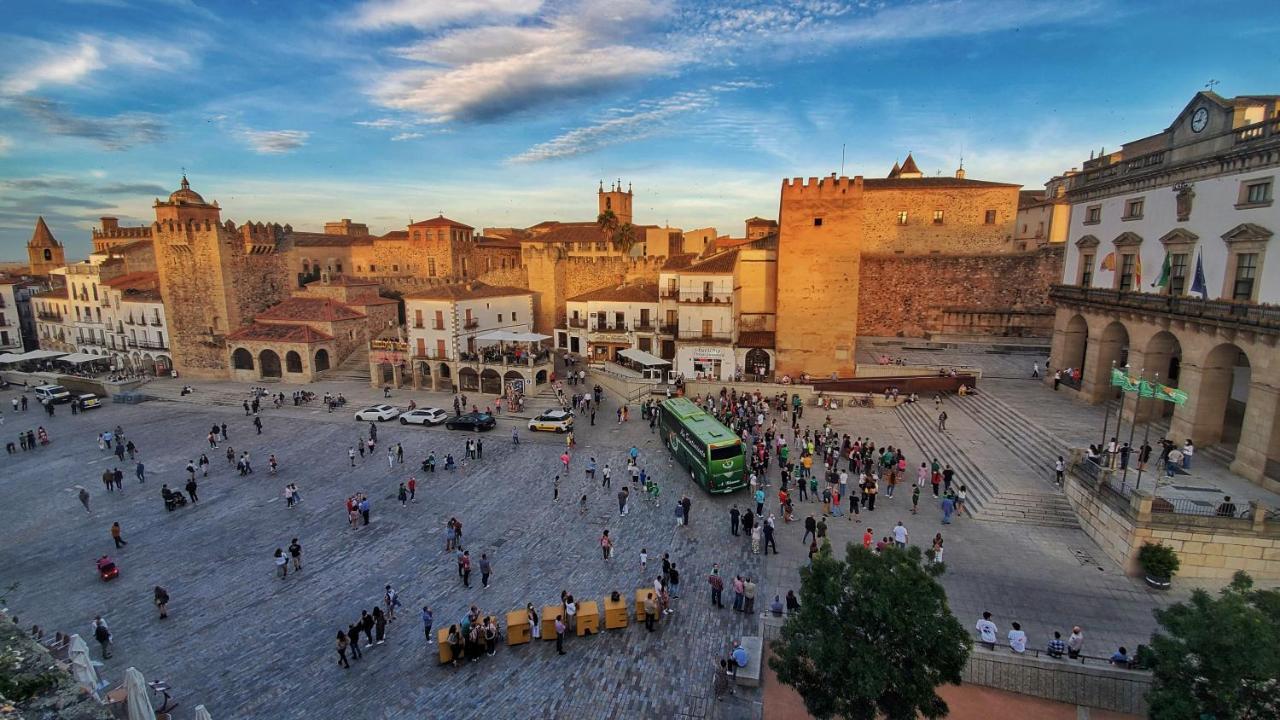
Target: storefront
705	362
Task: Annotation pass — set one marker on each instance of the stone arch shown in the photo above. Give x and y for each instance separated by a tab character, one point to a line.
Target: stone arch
293	362
1112	350
468	379
1075	346
424	369
269	364
322	360
1222	397
758	361
444	371
242	359
163	364
148	363
540	378
490	382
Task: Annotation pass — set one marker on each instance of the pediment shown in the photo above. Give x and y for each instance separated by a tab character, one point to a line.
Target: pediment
1179	237
1247	232
1127	239
1088	241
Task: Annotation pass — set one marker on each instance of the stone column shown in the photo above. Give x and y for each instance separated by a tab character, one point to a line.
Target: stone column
1182	424
373	374
397	376
417	375
1258	435
1095	383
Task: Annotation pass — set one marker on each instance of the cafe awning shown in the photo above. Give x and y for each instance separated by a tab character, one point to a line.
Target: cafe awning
641	357
7	358
82	358
40	355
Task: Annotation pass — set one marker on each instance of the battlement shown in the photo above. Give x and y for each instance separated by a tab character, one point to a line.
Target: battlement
139	232
827	186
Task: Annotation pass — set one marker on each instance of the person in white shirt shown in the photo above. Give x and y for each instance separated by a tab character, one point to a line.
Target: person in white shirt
1187	451
987	631
1075	643
900	535
1017	639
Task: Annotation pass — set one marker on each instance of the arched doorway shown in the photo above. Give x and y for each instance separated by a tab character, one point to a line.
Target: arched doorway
424	370
1113	351
1163	360
163	364
444	371
468	379
490	382
1075	343
386	373
758	361
242	359
1223	396
513	379
322	360
148	363
269	364
540	378
293	362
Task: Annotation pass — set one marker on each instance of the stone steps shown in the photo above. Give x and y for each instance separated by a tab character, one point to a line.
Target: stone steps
922	428
353	367
1046	509
1028	442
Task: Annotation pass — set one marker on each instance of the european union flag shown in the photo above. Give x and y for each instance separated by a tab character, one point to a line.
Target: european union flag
1198	284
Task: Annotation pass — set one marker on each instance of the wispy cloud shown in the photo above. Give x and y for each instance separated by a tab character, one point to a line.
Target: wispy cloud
42	64
114	132
381	14
406	136
5	144
81	187
274	142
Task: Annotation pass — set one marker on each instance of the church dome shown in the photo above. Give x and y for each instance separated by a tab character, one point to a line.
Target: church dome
186	195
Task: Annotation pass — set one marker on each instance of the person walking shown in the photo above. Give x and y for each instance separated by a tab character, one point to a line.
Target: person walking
915	499
257	423
466	568
717	587
413	489
115	535
687	505
560	628
100	631
140	471
191	490
485	568
161	597
768	537
403	495
342	644
673	582
942	421
650	612
606	545
282	563
353	637
734	516
379	626
427	618
84	500
810	528
295	553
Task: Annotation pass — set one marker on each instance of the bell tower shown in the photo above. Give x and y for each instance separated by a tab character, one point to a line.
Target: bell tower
44	252
615	200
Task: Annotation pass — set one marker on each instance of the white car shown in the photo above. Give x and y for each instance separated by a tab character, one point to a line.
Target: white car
52	393
378	413
553	421
424	416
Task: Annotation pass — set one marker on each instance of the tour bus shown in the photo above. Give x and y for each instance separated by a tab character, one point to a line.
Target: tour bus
708	450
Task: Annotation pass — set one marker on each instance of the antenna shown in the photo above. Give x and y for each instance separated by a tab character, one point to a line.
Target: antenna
842	159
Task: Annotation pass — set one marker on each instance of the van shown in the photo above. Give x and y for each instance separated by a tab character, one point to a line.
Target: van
52	393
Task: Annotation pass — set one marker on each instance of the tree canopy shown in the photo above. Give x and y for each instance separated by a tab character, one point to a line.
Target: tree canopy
1218	658
874	637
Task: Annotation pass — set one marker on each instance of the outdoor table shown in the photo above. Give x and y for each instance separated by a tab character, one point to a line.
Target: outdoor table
549	613
588	618
518	630
615	613
442	641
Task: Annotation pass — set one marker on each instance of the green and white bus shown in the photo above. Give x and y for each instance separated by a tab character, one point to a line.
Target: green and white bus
707	449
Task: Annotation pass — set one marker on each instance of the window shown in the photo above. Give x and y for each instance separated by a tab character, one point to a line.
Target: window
1086	270
373	268
513	317
902	217
417	318
706	328
1246	274
1133	210
499	317
990	217
439	347
1255	193
1040	229
706	290
1093	215
1127	263
1177	274
431	267
937	217
395	268
817	222
439	320
620	320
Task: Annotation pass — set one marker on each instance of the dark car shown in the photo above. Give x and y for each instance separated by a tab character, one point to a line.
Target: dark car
471	421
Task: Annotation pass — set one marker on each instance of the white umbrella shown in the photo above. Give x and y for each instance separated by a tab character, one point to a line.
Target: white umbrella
81	666
138	696
202	714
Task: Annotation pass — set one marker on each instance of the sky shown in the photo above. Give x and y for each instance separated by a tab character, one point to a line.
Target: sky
510	112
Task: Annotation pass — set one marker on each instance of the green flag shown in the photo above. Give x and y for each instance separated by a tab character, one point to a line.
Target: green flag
1121	379
1165	270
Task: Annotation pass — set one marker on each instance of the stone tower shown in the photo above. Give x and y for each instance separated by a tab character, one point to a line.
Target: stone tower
617	200
44	252
819	257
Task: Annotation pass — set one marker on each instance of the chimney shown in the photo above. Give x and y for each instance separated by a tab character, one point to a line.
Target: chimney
110	223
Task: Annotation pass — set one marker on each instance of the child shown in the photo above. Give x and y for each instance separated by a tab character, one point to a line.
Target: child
915	499
582	506
655	491
644	559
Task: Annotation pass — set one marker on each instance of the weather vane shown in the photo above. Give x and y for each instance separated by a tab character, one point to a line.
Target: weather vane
1211	84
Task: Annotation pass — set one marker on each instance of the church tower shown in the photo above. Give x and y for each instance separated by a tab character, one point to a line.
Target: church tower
617	200
44	252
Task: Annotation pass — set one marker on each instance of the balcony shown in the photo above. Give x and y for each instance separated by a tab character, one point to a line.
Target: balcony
706	298
669	328
1257	131
147	344
644	326
669	293
155	322
471	324
417	325
606	328
577	322
705	337
49	317
1241	316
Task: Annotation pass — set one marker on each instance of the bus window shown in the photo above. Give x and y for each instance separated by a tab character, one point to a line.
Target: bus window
726	452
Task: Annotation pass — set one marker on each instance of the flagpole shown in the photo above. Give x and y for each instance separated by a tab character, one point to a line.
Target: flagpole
1146	436
1120	410
1106	413
1133	424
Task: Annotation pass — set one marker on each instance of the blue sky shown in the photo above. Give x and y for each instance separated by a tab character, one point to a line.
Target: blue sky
508	112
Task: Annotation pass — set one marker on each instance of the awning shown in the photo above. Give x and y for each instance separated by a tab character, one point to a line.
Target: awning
82	358
7	358
641	357
508	336
40	355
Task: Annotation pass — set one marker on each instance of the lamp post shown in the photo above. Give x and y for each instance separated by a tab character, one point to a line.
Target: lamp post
1106	414
1146	437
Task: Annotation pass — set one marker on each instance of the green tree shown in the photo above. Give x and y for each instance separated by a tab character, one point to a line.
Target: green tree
622	235
874	637
1218	658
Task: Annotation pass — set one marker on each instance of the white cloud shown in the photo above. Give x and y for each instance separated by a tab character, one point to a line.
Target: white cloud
424	14
406	136
71	64
113	132
5	144
274	142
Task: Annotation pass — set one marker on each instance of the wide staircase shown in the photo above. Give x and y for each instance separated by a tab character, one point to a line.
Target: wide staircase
987	499
172	392
354	367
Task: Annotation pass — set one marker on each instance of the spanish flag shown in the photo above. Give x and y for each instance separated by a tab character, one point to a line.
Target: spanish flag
1109	262
1137	271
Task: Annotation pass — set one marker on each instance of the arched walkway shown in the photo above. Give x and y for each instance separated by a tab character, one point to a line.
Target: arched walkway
468	379
490	382
293	362
241	359
758	361
163	364
1112	351
1162	362
1075	345
269	363
322	360
1218	412
540	378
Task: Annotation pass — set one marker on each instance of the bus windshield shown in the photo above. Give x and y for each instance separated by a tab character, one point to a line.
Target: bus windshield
725	452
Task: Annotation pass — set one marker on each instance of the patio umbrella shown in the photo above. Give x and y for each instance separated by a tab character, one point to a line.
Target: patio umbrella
81	666
202	714
138	695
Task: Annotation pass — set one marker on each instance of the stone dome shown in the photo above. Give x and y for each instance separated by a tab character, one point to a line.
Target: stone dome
186	195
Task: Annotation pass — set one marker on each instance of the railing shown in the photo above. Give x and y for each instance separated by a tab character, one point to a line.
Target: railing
418	325
577	322
669	328
148	344
129	321
1264	317
51	317
155	322
1257	131
708	337
615	328
671	293
643	326
705	297
471	324
1203	508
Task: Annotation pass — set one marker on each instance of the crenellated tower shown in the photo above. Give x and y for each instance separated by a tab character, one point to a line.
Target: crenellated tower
616	200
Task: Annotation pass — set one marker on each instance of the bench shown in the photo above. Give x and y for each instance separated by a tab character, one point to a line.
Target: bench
749	676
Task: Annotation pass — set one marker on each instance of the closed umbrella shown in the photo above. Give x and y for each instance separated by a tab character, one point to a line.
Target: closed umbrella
138	695
81	666
202	714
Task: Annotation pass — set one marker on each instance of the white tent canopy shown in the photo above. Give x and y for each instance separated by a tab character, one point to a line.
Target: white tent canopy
82	667
8	358
508	336
641	357
39	355
138	696
81	358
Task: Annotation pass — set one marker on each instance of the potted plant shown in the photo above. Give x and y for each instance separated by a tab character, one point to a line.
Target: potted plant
1159	563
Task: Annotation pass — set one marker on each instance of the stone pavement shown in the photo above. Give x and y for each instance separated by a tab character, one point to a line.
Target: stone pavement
249	644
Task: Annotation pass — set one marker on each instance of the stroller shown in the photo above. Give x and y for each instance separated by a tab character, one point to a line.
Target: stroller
172	500
107	569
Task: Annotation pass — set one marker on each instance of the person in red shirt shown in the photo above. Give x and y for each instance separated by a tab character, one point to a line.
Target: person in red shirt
867	537
413	489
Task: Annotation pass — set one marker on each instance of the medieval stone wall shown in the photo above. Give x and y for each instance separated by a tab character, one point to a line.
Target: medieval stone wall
963	228
913	295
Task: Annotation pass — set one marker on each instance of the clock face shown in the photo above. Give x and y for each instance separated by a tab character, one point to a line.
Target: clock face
1199	119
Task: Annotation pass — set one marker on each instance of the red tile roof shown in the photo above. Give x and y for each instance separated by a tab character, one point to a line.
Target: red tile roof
679	262
497	242
464	291
134	281
395	235
721	264
317	309
569	233
58	293
909	165
286	333
441	221
42	237
313	239
343	280
755	338
622	293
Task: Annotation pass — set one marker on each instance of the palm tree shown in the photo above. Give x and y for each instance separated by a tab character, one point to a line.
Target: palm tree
623	235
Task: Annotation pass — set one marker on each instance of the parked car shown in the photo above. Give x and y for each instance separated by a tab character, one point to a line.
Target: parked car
424	416
471	421
52	393
553	421
88	400
378	413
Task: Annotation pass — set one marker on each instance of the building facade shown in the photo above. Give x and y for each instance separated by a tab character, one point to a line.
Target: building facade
602	322
10	321
1168	272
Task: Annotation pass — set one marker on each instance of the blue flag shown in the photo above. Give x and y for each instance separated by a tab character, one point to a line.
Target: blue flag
1198	284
